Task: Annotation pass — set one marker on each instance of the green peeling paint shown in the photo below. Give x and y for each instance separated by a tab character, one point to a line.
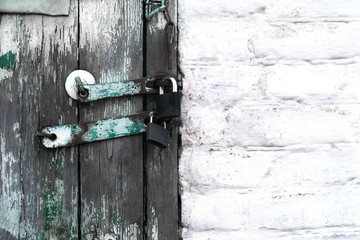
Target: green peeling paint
55	225
56	162
113	128
116	89
117	219
73	134
7	61
135	128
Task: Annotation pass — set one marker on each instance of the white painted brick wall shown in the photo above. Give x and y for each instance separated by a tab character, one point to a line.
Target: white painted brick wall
271	112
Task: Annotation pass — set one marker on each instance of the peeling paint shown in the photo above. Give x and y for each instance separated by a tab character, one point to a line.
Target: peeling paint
10	195
11	199
55	224
7	61
103	224
57	162
9	32
116	89
67	135
154	225
32	50
117	219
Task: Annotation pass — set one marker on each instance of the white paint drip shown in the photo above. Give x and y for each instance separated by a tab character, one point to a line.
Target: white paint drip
131	232
154	225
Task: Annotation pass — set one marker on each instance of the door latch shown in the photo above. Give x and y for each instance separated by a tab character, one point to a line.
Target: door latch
73	134
80	85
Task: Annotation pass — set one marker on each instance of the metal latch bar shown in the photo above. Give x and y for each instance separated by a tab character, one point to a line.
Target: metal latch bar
73	134
115	89
81	85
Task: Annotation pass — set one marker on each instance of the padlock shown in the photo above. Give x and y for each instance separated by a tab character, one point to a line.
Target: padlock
157	135
168	104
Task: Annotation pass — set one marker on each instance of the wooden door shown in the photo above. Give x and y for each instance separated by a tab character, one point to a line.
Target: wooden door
114	189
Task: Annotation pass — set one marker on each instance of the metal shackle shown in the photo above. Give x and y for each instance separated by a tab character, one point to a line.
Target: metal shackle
174	84
151	121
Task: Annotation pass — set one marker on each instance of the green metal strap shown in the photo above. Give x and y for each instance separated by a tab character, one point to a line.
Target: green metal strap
116	89
149	3
79	133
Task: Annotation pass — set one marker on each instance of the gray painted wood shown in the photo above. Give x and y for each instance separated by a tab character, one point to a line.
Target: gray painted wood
10	150
111	40
48	7
161	165
38	187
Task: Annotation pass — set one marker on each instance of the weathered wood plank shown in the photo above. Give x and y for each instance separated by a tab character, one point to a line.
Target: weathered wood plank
161	165
111	171
48	7
10	150
39	186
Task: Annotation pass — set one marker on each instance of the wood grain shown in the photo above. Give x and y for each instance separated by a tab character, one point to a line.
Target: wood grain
111	173
161	165
38	195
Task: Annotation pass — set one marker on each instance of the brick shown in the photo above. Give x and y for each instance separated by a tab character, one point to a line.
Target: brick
270	119
215	9
312	10
286	168
203	168
335	233
304	42
206	42
278	84
229	42
284	126
272	10
225	126
260	211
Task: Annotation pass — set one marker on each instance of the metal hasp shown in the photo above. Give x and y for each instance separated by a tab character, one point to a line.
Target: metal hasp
67	135
80	85
115	89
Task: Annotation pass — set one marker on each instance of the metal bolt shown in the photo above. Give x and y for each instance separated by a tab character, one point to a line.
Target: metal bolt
83	92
